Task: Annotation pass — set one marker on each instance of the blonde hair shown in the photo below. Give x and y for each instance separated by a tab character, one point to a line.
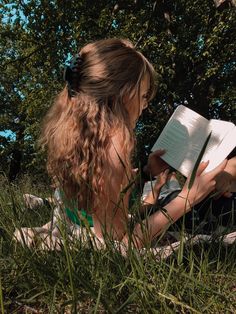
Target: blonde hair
77	130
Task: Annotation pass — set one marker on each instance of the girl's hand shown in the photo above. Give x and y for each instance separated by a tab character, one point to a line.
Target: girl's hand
155	164
153	195
203	185
223	184
161	180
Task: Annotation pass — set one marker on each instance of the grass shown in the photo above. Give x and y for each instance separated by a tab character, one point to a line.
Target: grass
80	279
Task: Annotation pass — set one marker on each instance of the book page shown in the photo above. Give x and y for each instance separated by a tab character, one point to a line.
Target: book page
185	134
224	134
183	138
219	129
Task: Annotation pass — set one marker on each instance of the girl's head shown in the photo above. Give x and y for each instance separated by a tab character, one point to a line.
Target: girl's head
112	73
113	86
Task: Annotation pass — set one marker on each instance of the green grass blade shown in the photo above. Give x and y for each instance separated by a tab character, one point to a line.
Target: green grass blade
1	296
52	305
98	298
127	302
193	175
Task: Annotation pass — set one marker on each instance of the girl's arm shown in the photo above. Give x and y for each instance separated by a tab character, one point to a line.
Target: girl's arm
160	220
111	211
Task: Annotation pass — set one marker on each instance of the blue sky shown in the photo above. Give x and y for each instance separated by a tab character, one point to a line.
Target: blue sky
8	133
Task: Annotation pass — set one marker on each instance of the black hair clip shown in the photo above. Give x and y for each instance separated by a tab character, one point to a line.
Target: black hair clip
72	75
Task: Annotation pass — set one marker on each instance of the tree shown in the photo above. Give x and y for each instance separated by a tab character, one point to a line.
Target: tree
191	44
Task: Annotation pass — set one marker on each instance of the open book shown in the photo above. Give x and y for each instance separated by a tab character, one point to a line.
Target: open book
185	134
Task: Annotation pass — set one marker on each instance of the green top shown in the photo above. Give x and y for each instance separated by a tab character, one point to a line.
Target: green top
73	216
71	211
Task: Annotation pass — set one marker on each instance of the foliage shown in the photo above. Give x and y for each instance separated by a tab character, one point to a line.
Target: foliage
191	44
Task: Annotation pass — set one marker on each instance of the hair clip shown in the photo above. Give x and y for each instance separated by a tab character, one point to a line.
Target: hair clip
72	74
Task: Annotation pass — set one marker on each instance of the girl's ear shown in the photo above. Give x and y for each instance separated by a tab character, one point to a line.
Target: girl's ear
128	97
125	99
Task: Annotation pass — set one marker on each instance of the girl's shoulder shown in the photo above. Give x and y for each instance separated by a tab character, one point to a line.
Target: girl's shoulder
116	151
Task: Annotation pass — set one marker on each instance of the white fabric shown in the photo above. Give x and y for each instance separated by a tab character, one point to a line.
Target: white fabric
50	237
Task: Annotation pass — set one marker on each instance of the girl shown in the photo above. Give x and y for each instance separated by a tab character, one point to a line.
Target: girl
89	137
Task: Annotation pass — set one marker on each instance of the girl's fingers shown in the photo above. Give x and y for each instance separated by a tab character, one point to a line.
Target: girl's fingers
202	167
213	173
164	175
166	172
159	152
227	194
162	178
224	194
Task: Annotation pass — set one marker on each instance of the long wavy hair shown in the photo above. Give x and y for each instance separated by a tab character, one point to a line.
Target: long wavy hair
77	131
